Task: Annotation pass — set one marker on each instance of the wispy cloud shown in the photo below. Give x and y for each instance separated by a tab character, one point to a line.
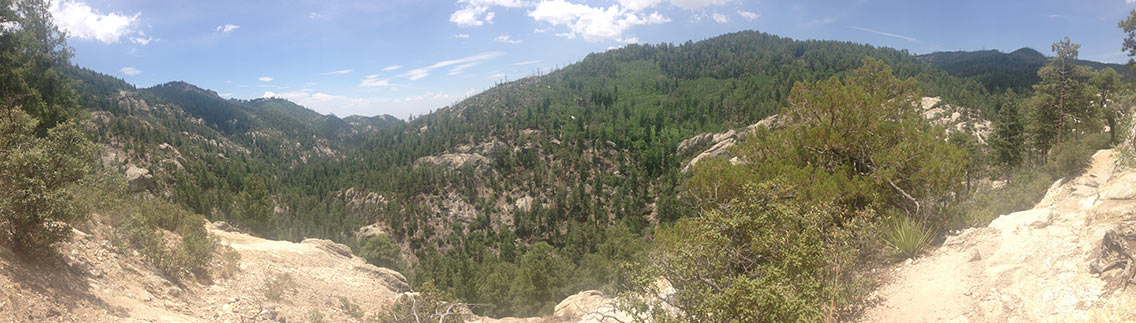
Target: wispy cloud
339	72
882	33
507	39
818	22
130	71
315	15
1059	16
265	79
392	67
526	62
748	15
462	64
374	81
227	28
720	18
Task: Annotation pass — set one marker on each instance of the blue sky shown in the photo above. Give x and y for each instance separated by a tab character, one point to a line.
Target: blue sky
404	57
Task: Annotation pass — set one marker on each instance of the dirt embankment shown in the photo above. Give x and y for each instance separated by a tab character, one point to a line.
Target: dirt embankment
92	281
1029	266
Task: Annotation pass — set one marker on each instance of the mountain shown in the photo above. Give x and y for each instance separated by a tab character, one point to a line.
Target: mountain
516	197
999	71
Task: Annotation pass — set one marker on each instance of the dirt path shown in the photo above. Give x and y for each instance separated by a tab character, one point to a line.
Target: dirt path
1029	266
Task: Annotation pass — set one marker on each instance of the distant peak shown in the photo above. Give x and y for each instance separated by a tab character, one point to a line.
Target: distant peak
183	86
1028	52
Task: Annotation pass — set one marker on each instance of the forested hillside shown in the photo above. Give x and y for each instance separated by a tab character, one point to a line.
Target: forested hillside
515	197
999	71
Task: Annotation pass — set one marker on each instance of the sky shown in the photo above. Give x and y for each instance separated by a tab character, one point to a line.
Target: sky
410	57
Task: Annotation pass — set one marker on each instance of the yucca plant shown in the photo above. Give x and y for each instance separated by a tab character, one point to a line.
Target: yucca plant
907	236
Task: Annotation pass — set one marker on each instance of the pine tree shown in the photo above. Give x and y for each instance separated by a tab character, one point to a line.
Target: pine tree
1106	82
1060	106
1007	140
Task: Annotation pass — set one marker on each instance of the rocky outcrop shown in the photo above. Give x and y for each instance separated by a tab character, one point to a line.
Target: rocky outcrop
1029	266
720	143
454	160
955	119
139	179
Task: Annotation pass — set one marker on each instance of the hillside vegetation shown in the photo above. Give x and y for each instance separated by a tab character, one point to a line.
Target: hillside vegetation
538	188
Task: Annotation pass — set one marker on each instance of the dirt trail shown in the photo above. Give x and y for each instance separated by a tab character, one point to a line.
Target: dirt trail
1029	266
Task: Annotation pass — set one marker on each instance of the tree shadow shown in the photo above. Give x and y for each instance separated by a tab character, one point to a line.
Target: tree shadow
50	276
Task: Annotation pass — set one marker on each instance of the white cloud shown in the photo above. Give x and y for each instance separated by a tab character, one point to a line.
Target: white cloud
339	72
1129	1
80	20
751	15
265	79
315	15
461	36
462	64
141	41
720	18
508	40
474	13
130	71
697	4
227	28
526	62
592	23
907	38
374	81
636	5
392	67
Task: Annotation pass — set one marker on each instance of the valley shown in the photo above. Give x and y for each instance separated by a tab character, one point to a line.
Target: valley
743	177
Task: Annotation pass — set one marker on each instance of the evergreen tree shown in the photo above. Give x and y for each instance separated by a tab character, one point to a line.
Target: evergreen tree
1106	82
1060	105
1007	140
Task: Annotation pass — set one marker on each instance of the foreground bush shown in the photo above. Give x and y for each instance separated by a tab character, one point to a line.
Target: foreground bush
141	224
764	259
36	207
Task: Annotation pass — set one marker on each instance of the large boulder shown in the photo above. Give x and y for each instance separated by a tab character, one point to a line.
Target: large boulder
139	179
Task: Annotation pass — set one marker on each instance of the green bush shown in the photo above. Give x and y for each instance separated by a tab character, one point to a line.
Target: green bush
1071	158
380	250
768	258
907	236
276	287
140	221
36	207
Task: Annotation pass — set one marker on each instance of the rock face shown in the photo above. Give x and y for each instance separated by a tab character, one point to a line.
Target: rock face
720	143
955	119
138	178
1029	266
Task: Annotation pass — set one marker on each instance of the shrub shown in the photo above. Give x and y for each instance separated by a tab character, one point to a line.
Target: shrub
351	308
767	258
276	287
36	208
380	250
1071	158
315	316
907	236
429	304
